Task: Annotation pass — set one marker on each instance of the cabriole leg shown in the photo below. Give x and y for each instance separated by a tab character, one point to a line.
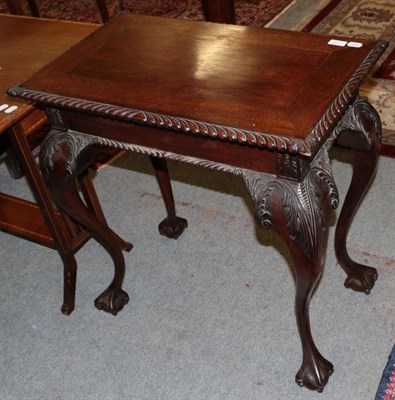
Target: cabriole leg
63	157
361	131
299	212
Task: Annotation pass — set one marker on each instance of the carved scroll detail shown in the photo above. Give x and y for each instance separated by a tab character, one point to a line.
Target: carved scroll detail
302	201
74	143
342	100
357	118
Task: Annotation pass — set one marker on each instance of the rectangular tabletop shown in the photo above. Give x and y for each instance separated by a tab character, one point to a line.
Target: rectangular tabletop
203	76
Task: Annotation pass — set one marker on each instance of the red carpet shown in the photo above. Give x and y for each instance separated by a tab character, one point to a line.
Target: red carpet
248	12
386	390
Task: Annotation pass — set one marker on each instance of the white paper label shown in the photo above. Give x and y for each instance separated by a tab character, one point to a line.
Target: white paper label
335	42
11	109
354	44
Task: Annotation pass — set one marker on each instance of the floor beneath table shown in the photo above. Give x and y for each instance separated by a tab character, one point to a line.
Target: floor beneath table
211	314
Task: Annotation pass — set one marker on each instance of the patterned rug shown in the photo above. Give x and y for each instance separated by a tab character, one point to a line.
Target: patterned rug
248	12
368	19
386	390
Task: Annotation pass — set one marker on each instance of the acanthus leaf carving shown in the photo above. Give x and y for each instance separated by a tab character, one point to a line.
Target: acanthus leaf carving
303	202
71	146
359	117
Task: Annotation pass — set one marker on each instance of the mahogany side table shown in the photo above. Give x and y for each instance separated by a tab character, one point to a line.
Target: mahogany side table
263	104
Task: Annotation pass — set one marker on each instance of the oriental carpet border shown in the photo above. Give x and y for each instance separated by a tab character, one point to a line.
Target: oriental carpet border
386	390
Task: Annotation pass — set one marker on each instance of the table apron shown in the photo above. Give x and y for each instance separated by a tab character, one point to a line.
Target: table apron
235	155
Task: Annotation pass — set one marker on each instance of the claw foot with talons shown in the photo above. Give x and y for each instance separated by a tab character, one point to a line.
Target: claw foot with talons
315	375
172	227
112	300
362	280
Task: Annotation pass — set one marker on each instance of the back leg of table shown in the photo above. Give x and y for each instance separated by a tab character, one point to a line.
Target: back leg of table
362	132
172	226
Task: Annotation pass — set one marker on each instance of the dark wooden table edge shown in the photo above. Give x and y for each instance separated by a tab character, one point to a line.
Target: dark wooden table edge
304	147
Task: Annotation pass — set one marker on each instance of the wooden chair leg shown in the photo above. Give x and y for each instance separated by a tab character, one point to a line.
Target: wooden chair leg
102	6
33	8
219	11
69	282
40	192
14	6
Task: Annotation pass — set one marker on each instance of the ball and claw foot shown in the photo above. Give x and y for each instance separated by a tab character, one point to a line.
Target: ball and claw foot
362	280
172	227
315	376
112	300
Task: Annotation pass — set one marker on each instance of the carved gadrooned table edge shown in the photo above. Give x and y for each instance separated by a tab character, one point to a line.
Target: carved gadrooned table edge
291	145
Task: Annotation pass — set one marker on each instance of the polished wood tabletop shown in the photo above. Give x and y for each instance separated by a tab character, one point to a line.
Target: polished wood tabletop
27	44
134	61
